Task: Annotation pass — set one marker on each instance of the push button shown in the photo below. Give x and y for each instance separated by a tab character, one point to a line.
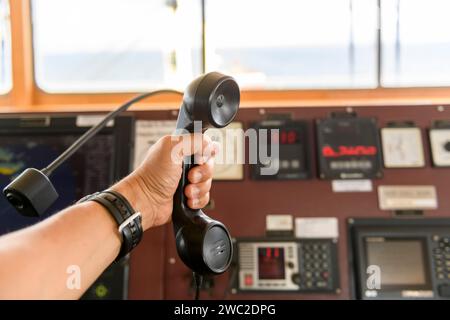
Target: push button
444	290
296	278
248	280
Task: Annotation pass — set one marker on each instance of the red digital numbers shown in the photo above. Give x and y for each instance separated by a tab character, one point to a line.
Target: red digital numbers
288	137
285	137
342	151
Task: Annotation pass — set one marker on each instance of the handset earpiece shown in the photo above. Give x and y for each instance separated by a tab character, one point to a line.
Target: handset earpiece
203	244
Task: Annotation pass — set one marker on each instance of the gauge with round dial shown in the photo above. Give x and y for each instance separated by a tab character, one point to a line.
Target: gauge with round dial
229	161
402	147
440	146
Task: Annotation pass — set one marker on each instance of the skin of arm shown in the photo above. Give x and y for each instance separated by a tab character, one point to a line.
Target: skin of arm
34	261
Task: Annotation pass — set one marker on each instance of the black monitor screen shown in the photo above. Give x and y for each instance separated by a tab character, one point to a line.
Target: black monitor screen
401	261
271	263
87	171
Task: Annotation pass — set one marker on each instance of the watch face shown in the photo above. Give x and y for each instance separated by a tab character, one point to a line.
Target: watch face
440	147
402	148
229	162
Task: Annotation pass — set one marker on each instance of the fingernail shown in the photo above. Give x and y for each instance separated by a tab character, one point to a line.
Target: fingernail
195	191
197	176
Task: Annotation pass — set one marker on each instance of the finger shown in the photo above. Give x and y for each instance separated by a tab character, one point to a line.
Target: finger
191	144
184	145
197	190
198	203
209	151
201	173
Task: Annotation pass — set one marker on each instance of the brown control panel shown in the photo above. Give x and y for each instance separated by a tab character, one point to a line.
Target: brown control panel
156	272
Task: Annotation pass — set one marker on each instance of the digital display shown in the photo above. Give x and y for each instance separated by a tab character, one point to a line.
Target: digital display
290	136
401	262
292	161
271	263
87	171
286	136
348	148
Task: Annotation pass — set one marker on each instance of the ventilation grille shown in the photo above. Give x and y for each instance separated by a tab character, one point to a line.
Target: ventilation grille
246	257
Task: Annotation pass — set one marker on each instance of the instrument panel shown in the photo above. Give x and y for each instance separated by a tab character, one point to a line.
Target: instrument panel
348	147
291	140
286	265
400	259
402	147
243	204
440	144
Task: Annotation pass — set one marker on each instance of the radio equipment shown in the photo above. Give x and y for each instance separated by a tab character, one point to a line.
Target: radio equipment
287	265
400	258
292	139
348	147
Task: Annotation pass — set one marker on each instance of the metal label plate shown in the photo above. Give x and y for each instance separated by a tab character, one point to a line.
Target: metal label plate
407	197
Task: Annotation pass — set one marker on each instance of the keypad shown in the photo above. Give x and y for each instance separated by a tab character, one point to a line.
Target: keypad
315	265
441	257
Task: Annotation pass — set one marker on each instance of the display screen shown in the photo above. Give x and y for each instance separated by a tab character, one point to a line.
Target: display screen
285	136
288	136
348	148
271	263
87	171
401	262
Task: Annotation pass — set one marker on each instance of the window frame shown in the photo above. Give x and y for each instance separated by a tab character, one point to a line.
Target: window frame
26	96
3	94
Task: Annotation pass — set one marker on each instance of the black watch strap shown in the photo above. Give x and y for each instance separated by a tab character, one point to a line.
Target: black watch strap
128	220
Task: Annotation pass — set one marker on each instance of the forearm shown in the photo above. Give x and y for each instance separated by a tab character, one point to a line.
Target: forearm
83	236
37	262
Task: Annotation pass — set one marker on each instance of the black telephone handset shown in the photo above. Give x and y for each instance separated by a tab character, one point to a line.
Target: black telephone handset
203	244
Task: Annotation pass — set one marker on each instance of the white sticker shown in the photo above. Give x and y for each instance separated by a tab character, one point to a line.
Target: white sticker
363	185
147	133
92	120
279	222
407	197
316	228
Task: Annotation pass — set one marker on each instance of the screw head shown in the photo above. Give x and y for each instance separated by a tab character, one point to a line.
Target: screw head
220	100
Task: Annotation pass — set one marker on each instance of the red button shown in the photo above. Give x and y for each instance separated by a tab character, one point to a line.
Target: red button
248	280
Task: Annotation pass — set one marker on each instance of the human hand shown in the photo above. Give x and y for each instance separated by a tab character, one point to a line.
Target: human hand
151	187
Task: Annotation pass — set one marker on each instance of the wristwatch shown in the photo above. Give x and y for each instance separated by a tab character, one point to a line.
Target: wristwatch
128	220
